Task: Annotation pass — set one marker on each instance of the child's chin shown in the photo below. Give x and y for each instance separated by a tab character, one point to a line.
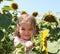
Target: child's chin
27	38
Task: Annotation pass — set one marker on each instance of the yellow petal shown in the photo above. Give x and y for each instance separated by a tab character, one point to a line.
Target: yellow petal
43	48
45	33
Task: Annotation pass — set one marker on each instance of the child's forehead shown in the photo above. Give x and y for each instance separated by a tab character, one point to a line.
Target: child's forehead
26	20
27	24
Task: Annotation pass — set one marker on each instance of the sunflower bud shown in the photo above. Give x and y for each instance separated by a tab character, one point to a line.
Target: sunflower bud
35	14
14	6
23	12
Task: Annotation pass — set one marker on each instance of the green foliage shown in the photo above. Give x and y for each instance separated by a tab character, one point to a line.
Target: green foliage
1	35
7	8
5	20
19	49
53	40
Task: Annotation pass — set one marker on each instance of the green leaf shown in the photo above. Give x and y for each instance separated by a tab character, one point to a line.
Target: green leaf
33	52
1	35
7	8
55	31
5	20
52	47
58	43
19	45
2	51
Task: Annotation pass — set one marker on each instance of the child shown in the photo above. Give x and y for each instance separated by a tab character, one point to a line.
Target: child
26	28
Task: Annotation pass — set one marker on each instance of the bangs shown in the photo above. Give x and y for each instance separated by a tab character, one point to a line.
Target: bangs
27	19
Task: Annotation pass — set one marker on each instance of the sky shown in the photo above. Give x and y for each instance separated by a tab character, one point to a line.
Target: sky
42	6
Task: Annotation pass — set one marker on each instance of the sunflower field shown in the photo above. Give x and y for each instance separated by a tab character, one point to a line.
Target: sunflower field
46	42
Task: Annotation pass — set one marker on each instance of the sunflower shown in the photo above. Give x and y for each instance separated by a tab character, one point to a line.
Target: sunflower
44	40
23	12
44	45
14	6
50	18
35	13
1	1
45	33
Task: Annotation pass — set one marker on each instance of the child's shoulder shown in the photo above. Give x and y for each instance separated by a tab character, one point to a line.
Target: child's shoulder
16	39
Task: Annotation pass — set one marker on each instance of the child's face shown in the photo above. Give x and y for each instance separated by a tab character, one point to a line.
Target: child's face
26	31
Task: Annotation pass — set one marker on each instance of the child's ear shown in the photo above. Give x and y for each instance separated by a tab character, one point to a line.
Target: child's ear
23	12
35	13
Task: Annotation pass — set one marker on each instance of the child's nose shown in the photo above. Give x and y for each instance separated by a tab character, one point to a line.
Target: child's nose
27	32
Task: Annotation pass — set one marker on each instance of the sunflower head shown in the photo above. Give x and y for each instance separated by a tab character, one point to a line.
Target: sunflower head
23	12
14	6
1	1
50	18
35	14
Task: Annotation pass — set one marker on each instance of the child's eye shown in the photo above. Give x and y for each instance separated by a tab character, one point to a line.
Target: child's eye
30	29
